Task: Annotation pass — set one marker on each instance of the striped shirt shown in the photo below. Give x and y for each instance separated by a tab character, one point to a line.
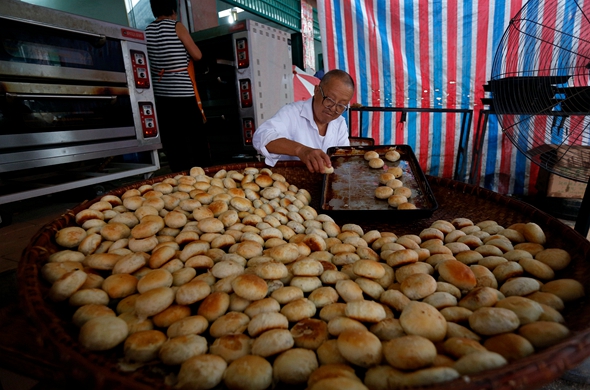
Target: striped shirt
166	52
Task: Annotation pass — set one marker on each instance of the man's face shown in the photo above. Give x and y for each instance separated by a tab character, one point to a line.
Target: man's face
330	99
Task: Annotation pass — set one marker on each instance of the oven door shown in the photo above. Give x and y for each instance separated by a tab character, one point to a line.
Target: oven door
43	108
32	49
46	124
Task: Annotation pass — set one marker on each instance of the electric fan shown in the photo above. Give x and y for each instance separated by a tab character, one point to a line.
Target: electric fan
540	84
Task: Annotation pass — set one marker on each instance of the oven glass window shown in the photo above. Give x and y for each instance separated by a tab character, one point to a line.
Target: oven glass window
46	114
32	44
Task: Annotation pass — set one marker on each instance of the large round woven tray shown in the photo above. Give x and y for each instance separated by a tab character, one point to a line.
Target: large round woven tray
102	371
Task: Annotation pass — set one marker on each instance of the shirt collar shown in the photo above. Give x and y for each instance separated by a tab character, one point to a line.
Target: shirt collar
307	111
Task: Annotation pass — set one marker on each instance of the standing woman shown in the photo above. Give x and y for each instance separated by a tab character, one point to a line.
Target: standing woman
180	117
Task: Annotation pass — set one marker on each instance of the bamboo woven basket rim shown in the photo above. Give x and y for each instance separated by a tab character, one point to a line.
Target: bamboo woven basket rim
101	370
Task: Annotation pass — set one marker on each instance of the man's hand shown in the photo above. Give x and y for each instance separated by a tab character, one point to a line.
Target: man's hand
314	159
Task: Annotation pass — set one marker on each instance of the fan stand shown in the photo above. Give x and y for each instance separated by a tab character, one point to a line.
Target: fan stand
583	220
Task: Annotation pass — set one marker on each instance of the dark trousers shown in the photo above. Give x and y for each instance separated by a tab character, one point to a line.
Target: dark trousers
182	132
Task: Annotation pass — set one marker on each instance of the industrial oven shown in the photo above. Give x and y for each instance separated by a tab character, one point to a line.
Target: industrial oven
244	78
76	102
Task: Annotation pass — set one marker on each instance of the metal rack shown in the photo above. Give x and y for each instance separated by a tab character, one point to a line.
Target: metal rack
480	133
466	119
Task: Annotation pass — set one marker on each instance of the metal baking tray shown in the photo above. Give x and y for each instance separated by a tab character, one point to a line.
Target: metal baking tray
350	190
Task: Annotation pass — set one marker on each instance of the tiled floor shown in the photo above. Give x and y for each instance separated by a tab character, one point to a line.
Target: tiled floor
30	215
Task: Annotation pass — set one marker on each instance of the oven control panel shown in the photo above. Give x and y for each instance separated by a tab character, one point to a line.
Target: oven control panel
248	127
245	93
148	119
140	69
242	53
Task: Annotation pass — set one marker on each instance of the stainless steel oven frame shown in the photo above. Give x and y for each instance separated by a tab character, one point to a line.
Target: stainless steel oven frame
76	151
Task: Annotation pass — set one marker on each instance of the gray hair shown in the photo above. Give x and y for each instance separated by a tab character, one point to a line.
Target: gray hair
339	75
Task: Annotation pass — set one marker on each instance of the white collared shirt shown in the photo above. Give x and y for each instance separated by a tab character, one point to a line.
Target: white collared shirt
295	122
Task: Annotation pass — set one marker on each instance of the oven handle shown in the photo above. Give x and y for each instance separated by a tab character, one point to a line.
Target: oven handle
10	95
101	38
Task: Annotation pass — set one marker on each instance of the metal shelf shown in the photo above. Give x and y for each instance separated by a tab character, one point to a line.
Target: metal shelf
466	119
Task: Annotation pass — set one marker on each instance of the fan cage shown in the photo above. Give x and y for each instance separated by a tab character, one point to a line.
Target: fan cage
540	85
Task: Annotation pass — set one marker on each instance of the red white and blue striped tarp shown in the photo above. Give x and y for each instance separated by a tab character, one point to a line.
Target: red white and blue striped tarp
427	54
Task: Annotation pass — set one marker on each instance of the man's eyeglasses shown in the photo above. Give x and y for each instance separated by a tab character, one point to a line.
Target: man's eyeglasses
328	102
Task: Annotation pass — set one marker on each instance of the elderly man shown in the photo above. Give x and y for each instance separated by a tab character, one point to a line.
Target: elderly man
305	130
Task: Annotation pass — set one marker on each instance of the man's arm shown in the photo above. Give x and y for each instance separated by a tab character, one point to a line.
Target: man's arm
314	159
